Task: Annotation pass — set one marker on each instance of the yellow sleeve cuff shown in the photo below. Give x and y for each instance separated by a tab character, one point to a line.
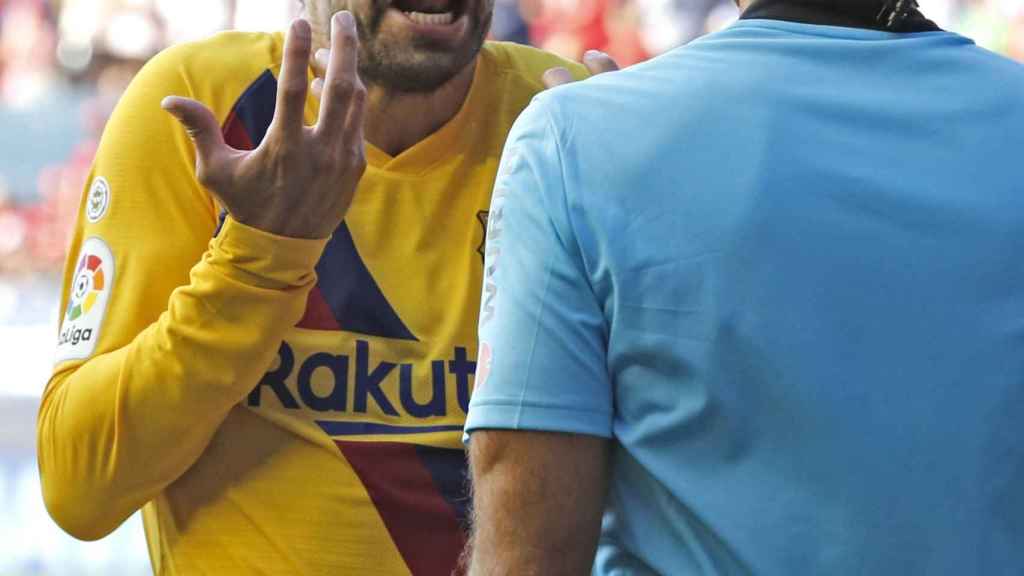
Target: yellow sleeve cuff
265	260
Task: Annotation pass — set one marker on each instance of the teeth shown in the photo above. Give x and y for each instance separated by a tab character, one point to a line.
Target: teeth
441	19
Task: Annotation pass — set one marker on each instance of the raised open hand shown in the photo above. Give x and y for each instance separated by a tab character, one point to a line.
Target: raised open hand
595	61
301	180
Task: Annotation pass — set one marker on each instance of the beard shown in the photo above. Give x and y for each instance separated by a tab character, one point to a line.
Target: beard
417	64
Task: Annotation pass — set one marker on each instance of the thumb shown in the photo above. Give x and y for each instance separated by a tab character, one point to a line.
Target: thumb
202	128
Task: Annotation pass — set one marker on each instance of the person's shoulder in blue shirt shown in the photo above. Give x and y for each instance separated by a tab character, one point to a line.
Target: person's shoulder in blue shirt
779	270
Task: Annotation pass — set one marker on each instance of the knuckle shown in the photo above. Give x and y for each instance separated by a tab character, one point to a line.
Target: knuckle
288	155
343	86
326	165
293	90
349	158
322	163
359	93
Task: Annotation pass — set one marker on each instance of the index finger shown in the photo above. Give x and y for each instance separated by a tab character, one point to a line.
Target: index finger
342	80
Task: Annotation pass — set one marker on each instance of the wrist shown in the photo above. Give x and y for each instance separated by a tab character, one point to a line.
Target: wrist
284	226
265	259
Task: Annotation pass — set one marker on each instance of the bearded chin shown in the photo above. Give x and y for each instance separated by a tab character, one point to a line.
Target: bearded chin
423	65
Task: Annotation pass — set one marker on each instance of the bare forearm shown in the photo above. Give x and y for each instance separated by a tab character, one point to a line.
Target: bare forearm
538	499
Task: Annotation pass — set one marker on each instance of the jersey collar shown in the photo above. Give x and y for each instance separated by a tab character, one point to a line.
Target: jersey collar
846	13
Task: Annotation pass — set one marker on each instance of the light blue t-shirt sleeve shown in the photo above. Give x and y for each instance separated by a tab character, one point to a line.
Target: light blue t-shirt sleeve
543	339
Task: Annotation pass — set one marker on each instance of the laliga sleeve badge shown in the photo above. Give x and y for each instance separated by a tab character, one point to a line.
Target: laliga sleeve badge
90	290
98	200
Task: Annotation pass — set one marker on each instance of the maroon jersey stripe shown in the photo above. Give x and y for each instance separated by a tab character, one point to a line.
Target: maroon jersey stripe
422	523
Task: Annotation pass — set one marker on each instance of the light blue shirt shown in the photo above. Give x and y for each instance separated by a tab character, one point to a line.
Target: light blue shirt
782	268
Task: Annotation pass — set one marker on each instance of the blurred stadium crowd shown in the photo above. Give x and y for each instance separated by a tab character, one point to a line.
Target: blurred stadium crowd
63	64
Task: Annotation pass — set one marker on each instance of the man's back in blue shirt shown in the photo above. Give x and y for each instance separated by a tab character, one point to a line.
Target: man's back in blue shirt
781	269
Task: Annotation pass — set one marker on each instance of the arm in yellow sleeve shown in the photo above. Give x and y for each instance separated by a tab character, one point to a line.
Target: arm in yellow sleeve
184	327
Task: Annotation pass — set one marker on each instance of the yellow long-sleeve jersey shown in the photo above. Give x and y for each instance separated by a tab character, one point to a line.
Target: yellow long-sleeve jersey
276	405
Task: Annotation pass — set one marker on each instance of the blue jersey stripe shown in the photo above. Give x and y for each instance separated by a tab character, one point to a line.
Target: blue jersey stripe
336	428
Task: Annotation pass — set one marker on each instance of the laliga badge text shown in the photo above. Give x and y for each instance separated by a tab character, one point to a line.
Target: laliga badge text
90	290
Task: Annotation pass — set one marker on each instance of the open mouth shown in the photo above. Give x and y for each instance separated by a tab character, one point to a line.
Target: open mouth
431	12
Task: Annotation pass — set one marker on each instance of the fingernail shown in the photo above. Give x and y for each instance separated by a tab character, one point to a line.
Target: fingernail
558	76
322	56
317	86
593	54
346	19
301	27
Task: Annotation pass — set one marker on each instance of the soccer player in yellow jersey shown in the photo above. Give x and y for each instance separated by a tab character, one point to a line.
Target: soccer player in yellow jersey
268	327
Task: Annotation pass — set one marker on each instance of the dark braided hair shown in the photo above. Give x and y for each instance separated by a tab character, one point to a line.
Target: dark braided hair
894	12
